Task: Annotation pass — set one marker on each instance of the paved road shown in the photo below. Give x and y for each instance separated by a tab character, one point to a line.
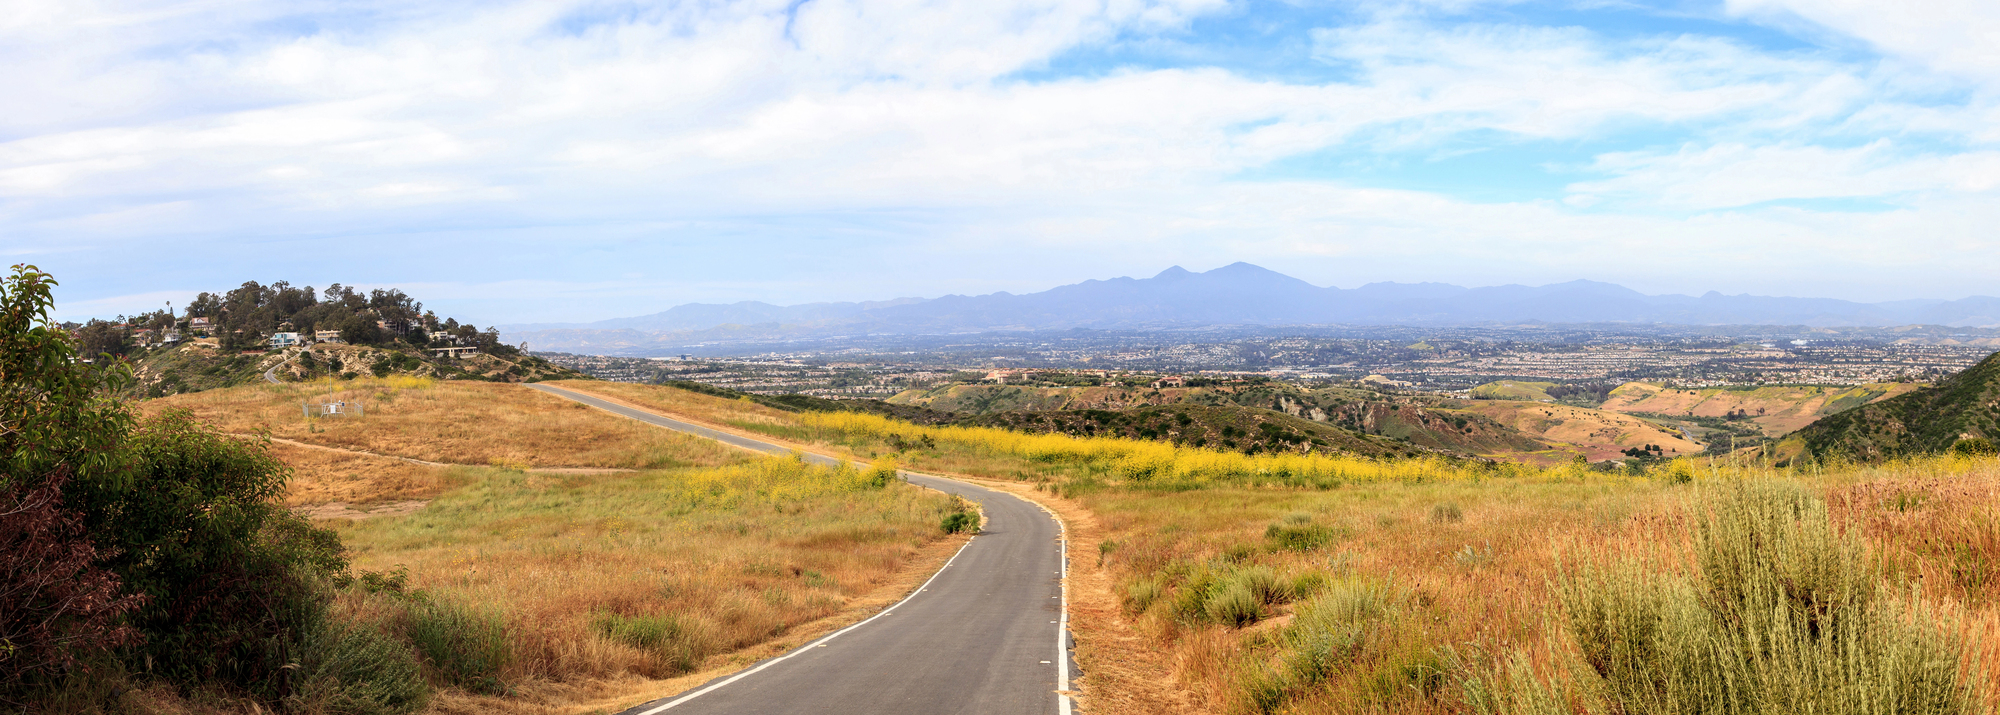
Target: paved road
987	634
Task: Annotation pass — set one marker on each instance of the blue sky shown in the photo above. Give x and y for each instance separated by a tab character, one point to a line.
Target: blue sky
551	161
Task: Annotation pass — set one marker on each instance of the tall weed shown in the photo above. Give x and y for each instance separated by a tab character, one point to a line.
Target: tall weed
679	642
465	647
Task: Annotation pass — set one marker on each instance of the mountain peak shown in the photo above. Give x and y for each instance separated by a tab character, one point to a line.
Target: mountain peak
1175	272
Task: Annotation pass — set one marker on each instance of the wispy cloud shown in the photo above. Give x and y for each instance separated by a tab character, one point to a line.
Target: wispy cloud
917	147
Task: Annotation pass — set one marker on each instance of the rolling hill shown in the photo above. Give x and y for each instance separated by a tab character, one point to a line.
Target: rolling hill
1924	421
1776	410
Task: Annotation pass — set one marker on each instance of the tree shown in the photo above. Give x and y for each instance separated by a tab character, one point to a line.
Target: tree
58	429
360	329
101	338
205	305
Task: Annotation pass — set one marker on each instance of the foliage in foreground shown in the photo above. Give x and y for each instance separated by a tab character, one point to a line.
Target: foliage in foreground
1785	614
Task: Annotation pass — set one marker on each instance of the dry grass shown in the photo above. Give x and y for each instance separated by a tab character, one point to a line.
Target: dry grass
1401	582
737	555
675	401
452	422
320	476
1452	570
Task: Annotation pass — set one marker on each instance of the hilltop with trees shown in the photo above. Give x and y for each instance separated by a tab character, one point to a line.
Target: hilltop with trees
299	332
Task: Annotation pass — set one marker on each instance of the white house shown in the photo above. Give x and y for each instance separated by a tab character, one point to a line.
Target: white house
284	340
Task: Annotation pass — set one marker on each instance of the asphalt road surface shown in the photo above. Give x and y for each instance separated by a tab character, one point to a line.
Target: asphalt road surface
989	633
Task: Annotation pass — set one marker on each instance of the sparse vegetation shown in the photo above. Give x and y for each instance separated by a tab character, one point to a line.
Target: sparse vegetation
1407	591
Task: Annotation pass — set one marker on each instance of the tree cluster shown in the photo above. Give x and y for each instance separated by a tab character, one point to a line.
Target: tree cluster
154	547
246	316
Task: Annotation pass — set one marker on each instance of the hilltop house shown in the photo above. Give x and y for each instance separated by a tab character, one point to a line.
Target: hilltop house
202	325
1170	381
284	340
326	336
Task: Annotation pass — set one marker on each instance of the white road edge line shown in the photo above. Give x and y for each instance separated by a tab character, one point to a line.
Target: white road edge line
823	640
1062	631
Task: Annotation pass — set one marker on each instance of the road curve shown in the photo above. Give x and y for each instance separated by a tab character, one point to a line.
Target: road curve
987	634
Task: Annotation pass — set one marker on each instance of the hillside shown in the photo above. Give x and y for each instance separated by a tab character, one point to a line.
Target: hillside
1775	410
1924	421
1423	422
1231	427
202	365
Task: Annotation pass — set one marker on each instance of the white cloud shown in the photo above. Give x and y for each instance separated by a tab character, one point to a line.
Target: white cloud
1726	175
1958	36
142	120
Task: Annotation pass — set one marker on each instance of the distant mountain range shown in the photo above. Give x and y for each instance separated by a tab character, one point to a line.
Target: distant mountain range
1238	294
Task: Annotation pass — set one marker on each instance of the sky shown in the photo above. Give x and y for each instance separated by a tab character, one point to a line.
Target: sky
555	161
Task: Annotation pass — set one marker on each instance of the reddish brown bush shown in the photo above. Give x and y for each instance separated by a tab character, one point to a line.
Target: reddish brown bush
56	605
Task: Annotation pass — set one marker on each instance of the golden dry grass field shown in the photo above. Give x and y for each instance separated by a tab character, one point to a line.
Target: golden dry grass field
612	586
1596	434
448	421
1346	586
1267	583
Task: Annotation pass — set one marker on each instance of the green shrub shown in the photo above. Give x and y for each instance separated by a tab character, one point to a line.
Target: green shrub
680	643
960	521
1264	583
1293	536
1974	447
1190	604
1233	605
465	647
1329	633
1141	594
1446	513
356	669
1785	615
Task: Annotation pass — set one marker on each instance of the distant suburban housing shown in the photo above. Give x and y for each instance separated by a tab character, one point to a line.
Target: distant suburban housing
284	340
201	324
1170	381
326	336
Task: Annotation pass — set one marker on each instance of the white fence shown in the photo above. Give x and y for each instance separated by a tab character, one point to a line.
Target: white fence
332	409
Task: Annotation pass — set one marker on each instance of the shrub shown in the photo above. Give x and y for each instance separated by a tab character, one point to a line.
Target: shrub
356	669
1141	594
1264	583
235	583
882	473
680	643
58	434
1233	605
465	647
961	519
1446	513
1330	633
1190	604
1786	615
1974	447
56	606
1299	537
